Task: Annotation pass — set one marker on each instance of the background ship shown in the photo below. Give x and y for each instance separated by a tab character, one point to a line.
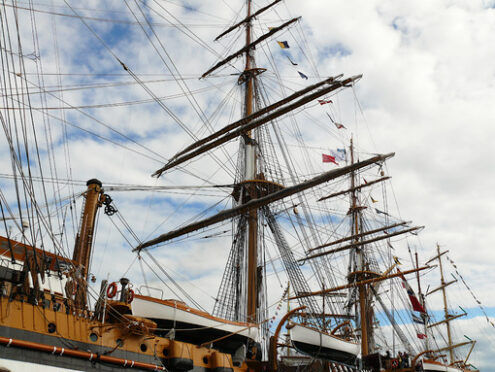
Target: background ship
275	171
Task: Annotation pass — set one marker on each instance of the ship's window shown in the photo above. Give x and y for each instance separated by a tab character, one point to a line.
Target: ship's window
93	337
119	342
205	360
52	327
143	347
165	352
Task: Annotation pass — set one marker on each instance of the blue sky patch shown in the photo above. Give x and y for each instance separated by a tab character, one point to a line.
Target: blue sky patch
117	34
336	50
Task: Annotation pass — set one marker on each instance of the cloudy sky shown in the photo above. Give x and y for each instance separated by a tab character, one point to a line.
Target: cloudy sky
426	94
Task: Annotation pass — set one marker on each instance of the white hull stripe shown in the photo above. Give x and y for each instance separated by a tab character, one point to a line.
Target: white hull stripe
312	337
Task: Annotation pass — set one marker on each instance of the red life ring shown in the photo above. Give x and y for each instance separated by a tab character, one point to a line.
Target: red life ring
130	296
395	363
112	290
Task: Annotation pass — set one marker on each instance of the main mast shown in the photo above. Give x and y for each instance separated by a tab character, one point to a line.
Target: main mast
250	174
239	293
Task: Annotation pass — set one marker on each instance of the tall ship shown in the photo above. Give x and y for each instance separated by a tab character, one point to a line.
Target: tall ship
258	181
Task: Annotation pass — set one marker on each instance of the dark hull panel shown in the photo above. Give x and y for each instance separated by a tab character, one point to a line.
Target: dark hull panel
192	333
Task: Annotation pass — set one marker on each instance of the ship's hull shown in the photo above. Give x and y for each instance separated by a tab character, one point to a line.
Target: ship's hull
41	335
69	355
322	345
192	325
13	355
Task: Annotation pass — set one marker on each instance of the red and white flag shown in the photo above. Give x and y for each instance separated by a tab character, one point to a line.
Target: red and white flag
421	335
338	125
328	159
416	305
324	101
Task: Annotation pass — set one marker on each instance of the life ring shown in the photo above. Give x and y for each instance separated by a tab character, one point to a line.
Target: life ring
112	290
395	363
130	296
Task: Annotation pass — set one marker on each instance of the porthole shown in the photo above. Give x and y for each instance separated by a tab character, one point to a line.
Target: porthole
205	360
143	347
119	342
165	352
52	327
93	337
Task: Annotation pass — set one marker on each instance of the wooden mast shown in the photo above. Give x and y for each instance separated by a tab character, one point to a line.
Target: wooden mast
84	240
445	308
250	174
260	202
360	262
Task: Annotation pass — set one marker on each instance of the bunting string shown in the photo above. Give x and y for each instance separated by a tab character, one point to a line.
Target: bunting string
279	307
471	291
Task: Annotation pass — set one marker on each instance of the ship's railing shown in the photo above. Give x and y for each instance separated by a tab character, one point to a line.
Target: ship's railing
141	287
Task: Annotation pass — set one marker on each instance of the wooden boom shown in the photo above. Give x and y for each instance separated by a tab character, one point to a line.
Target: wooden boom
260	202
255	123
247	19
360	235
357	284
354	188
257	114
248	47
353	245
